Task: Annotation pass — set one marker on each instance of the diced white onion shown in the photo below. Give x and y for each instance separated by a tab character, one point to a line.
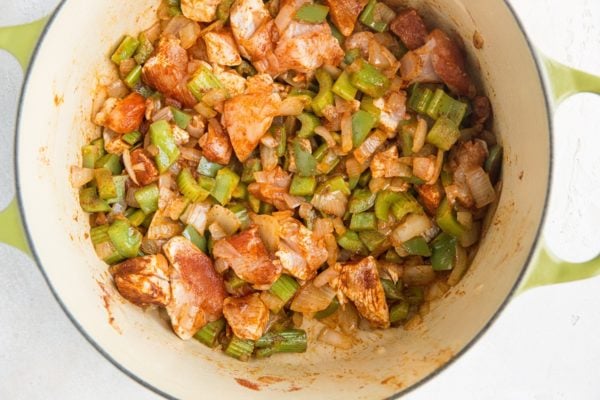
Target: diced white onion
196	215
420	135
333	203
81	176
293	105
311	299
129	167
348	318
325	277
225	218
418	275
481	187
326	135
335	339
413	225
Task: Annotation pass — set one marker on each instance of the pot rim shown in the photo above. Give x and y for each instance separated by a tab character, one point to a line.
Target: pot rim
532	251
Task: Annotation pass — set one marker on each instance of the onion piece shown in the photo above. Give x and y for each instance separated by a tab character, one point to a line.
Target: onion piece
325	277
274	303
268	157
413	225
461	263
471	236
224	217
346	126
129	167
348	318
164	113
335	338
418	275
268	229
333	203
326	135
420	135
216	231
193	155
293	105
81	176
439	162
117	89
196	216
322	227
311	299
481	187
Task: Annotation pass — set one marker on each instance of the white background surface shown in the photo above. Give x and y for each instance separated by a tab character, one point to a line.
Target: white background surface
544	346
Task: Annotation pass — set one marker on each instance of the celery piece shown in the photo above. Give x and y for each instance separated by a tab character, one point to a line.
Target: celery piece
91	202
309	123
99	234
206	182
344	88
196	238
286	341
144	50
420	98
202	81
225	183
303	186
312	13
351	55
125	50
443	252
239	348
137	217
362	123
208	168
399	311
120	182
372	18
368	79
251	166
161	136
126	239
132	137
254	203
366	104
90	154
442	104
104	182
351	242
147	198
241	212
133	77
240	192
210	332
325	96
284	287
223	10
181	119
443	134
188	186
112	162
374	240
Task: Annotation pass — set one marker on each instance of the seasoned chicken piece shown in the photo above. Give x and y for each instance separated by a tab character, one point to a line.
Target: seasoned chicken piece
272	187
163	227
469	155
144	280
482	110
113	143
197	291
143	166
215	144
376	50
449	64
247	255
247	316
304	47
221	48
393	109
248	116
410	28
386	164
251	25
417	66
344	13
200	10
127	114
167	71
430	196
300	253
360	283
231	80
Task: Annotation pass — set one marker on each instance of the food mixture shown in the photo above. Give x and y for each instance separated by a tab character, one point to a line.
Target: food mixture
266	163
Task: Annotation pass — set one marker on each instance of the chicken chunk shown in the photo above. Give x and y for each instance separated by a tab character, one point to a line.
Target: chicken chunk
127	114
344	13
197	291
167	71
144	280
430	196
251	25
300	253
417	65
143	166
221	48
247	255
200	10
410	28
482	110
468	156
360	283
393	110
449	64
305	47
215	144
248	116
247	316
113	142
272	187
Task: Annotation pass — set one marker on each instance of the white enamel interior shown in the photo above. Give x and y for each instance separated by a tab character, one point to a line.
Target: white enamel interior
54	124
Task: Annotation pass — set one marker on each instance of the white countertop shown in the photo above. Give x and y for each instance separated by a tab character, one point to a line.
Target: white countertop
544	346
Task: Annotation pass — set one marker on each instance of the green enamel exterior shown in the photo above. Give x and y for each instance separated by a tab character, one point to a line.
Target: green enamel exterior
545	269
19	41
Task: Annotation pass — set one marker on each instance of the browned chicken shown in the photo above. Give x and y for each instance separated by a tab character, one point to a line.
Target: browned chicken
215	144
468	156
248	116
251	25
344	13
127	114
197	291
430	196
143	166
360	283
167	71
247	316
247	255
272	187
221	48
300	253
482	110
144	280
410	28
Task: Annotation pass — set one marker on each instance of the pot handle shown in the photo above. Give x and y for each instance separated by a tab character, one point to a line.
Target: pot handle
20	41
547	269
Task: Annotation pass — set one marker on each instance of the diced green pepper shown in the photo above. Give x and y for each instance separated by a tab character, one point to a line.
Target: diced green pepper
442	104
399	311
392	292
126	239
405	204
446	219
334	184
225	183
374	240
383	203
182	119
208	168
91	202
309	123
161	136
366	104
351	242
250	167
343	88
312	13
365	221
133	77
392	256
223	10
443	252
112	162
362	123
368	79
203	81
306	164
361	200
443	134
147	198
125	50
417	246
303	186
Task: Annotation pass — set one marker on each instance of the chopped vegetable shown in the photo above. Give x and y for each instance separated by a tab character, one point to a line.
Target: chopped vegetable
210	332
325	96
362	123
161	136
443	252
125	50
443	134
225	183
368	79
288	341
285	287
312	13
